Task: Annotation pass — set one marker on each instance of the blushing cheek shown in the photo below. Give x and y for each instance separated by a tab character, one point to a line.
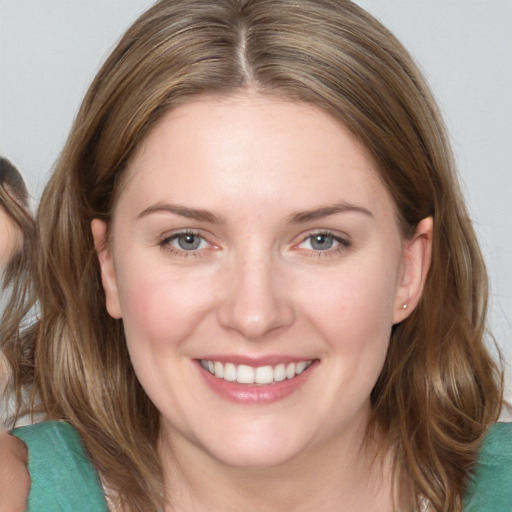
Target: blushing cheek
9	239
153	336
160	307
355	316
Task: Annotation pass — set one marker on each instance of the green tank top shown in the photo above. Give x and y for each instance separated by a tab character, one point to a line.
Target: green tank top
64	479
490	489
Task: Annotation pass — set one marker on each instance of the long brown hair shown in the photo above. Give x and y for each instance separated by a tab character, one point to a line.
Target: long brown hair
439	389
14	202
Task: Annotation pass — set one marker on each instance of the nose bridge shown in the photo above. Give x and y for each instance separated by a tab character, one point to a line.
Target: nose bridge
255	302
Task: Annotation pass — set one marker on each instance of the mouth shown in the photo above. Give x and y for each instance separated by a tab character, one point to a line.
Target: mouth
260	375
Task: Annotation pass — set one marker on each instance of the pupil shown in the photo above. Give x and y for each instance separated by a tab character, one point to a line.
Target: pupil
189	242
322	242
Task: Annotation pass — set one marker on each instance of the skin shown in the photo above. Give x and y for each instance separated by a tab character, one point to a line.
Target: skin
257	286
14	477
9	238
9	243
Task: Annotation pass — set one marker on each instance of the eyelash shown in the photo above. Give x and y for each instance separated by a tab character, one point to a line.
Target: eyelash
165	244
342	244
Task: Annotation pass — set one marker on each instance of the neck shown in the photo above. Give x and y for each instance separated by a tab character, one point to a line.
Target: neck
344	475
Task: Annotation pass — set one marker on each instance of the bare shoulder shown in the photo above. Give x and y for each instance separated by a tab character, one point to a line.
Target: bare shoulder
14	476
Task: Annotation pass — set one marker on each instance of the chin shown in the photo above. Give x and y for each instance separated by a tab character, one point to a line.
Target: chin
251	458
263	450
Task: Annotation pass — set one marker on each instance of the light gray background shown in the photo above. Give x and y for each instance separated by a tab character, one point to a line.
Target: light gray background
50	50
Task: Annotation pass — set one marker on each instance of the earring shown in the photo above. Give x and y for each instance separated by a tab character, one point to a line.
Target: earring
404	306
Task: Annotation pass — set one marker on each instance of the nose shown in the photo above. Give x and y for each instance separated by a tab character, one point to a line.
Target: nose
254	300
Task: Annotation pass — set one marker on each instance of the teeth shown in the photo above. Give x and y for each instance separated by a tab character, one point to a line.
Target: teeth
219	370
264	375
245	374
280	372
299	368
230	372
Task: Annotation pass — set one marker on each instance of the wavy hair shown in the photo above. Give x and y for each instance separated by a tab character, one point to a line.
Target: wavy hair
439	389
14	202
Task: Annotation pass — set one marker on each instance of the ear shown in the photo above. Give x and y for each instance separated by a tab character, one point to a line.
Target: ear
108	275
416	262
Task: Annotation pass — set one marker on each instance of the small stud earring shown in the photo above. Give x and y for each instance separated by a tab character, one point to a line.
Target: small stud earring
404	306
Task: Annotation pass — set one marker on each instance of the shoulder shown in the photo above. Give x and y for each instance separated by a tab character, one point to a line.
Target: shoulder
47	431
14	476
63	477
491	485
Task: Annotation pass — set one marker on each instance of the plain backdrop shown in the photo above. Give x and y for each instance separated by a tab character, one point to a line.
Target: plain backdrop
51	49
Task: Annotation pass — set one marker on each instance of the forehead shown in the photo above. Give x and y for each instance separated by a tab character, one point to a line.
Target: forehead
213	148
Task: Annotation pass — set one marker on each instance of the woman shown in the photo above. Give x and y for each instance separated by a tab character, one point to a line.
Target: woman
16	226
258	285
15	218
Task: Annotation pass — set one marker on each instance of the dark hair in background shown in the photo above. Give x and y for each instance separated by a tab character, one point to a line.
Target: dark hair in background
13	191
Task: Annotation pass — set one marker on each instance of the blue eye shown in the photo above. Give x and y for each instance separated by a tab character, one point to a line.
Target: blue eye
324	242
188	241
321	242
184	243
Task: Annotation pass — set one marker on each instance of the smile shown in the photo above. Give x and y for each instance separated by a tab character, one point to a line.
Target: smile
244	374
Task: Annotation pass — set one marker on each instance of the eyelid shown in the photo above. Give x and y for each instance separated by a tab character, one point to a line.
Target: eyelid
173	233
165	242
343	242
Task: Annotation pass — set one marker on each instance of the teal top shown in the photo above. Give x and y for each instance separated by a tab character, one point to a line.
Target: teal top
491	487
64	479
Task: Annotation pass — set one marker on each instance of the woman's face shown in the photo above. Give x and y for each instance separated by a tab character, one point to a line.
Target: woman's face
9	239
254	241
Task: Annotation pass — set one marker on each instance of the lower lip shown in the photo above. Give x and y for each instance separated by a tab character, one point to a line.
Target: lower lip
256	394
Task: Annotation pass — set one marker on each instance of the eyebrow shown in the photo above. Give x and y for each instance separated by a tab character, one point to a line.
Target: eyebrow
325	211
295	218
184	211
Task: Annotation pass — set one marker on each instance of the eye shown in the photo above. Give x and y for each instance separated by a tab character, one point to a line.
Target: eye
184	243
188	241
323	242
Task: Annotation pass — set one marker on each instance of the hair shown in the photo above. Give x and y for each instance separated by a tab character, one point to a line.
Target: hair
11	183
439	389
14	201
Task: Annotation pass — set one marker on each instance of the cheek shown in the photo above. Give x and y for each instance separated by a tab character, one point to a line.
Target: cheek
353	304
9	240
160	308
353	312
